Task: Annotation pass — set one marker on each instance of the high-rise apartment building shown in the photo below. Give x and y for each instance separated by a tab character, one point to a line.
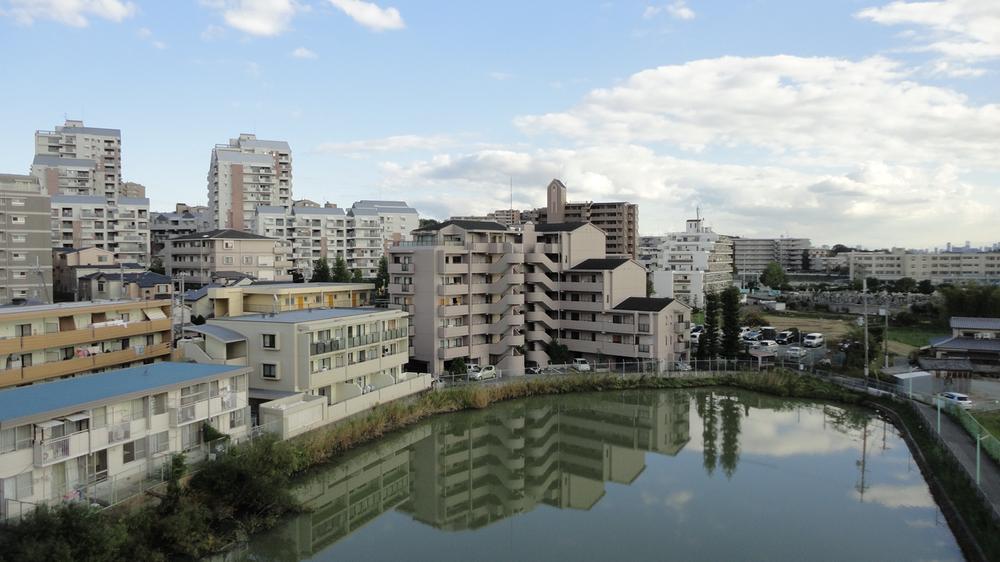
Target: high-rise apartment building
494	296
25	240
91	221
245	174
691	264
77	160
751	255
619	220
184	220
202	256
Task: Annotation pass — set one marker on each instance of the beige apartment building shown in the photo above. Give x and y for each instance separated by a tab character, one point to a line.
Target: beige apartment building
619	220
691	264
936	267
96	439
201	256
69	265
245	174
143	285
493	296
25	240
77	160
92	221
751	255
49	341
237	300
339	353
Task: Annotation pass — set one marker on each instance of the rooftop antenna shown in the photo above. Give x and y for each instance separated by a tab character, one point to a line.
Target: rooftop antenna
511	193
697	212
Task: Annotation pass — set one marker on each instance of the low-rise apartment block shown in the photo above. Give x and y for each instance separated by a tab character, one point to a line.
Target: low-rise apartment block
69	265
183	221
25	240
143	285
485	294
120	226
257	298
43	342
752	255
338	353
96	438
201	256
938	267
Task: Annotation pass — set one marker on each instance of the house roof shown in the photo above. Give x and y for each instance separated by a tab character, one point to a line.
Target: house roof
955	364
600	264
220	333
559	226
144	279
464	224
968	344
970	323
304	315
644	304
68	395
222	233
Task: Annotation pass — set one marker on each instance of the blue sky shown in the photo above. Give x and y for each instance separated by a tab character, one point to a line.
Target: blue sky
865	122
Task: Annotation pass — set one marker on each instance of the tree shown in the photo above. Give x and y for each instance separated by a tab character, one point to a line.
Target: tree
973	300
321	271
925	287
650	291
711	333
340	273
874	285
382	279
774	276
428	222
806	260
558	353
731	421
905	285
730	322
156	266
840	248
457	366
356	275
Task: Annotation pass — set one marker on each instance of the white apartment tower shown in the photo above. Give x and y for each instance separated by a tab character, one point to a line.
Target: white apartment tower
78	160
245	174
690	264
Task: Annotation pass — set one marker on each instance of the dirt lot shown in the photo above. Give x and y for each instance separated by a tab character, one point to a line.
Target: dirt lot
831	329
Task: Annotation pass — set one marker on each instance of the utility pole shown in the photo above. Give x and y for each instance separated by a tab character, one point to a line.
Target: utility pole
864	296
885	336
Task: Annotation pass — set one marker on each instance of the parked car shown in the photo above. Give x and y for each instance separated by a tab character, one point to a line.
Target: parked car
744	330
484	373
765	345
695	337
697	329
814	339
956	399
681	366
768	333
751	336
532	368
796	352
581	365
787	337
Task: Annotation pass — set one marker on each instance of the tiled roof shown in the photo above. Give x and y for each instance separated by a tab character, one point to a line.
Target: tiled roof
644	304
466	225
971	323
600	264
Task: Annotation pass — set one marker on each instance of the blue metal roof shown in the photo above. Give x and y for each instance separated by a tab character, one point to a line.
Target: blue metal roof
69	395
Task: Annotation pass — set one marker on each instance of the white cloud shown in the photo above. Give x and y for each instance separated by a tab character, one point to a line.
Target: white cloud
801	110
967	30
265	18
677	10
370	15
500	75
395	143
893	497
70	12
146	35
304	53
213	32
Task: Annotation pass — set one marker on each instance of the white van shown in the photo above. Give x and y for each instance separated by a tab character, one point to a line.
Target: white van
813	340
581	365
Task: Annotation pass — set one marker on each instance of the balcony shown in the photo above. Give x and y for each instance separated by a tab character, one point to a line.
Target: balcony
452	331
400	268
85	335
327	346
51	451
452	352
682	327
398	289
452	289
22	375
453	310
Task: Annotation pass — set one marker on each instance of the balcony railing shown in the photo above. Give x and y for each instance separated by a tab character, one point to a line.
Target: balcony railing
22	375
65	338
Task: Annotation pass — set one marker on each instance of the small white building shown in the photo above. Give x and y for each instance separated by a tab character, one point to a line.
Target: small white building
97	438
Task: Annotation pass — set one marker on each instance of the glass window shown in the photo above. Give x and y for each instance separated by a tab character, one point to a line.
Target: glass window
269	370
270	341
133	450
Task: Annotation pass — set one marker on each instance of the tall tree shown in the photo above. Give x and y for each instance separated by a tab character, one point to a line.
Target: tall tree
905	285
709	431
382	279
650	291
731	420
428	222
321	271
340	272
711	333
558	353
806	260
356	275
730	322
774	276
925	286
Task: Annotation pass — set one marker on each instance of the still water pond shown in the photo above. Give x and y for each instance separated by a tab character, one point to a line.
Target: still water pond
637	475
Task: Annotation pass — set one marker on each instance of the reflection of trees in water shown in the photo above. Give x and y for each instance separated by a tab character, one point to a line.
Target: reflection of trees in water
707	410
730	413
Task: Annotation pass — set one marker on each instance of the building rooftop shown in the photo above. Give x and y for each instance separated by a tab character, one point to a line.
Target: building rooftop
18	178
222	234
69	395
970	323
52	160
280	146
144	279
133	201
71	306
77	129
559	226
284	286
319	211
305	315
600	264
967	344
220	333
79	200
235	156
644	304
463	224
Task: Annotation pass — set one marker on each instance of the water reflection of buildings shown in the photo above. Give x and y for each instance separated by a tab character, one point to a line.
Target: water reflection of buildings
470	471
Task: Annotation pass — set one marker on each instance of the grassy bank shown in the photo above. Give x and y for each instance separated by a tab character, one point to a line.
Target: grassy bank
916	336
248	489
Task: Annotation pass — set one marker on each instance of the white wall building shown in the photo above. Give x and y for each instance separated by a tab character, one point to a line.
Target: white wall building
92	221
245	174
78	160
943	267
690	264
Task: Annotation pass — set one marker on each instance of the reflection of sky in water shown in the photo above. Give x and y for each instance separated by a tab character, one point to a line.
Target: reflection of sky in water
792	495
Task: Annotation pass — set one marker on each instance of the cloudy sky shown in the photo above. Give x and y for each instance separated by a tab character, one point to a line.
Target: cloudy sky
869	122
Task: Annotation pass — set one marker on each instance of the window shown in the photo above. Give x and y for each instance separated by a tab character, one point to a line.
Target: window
237	418
270	341
15	438
228	245
247	260
160	403
227	260
159	442
133	451
17	487
17	219
190	436
269	370
17	202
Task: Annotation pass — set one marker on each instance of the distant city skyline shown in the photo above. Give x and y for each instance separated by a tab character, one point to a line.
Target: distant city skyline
855	122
